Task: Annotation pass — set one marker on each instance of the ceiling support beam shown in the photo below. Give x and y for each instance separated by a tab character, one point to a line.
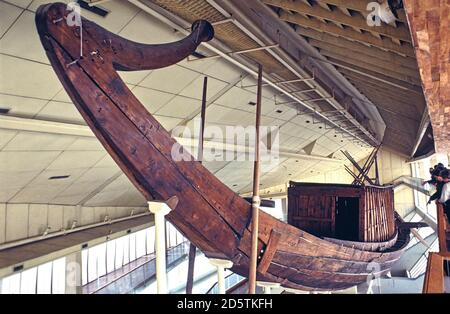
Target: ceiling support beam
348	68
315	38
358	22
343	53
385	44
360	6
376	84
386	70
213	99
407	102
33	125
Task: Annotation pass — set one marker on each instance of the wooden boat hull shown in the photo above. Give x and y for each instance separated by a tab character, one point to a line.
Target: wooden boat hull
205	210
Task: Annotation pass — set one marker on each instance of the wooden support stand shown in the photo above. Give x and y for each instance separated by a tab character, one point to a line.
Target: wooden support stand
256	201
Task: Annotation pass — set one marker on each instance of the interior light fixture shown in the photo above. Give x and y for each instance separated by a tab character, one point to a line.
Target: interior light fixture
94	9
388	10
59	177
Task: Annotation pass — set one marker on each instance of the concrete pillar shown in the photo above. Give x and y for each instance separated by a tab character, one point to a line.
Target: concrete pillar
267	286
160	210
73	273
221	265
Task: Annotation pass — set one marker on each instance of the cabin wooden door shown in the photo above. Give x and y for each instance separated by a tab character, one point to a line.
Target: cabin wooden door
347	218
313	213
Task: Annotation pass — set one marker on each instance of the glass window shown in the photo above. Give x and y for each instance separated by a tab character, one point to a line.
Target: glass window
110	255
101	257
132	238
140	243
44	278
59	276
28	281
173	236
84	266
151	240
167	231
126	250
92	264
180	238
119	252
11	284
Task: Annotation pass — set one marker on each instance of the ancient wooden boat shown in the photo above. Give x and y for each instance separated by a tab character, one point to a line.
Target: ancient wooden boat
206	211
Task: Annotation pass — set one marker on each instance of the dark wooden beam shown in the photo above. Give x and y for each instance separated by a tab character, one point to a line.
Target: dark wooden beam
350	34
373	65
360	6
365	66
337	16
347	54
315	38
349	68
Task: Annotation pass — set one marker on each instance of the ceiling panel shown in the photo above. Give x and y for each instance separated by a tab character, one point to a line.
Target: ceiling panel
25	161
106	162
224	71
21	106
8	14
178	77
236	97
71	160
43	82
195	89
85	144
130	197
21	3
17	179
168	122
138	30
60	112
75	193
180	107
22	40
152	99
133	77
43	178
7	193
32	141
6	136
120	13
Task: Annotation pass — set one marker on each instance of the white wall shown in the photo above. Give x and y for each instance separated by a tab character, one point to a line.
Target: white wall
336	176
391	166
20	221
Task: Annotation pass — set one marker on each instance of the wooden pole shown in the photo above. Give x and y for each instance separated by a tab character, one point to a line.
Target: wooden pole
203	119
256	199
377	174
192	248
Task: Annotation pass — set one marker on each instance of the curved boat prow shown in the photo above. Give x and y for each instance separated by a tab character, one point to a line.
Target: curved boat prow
207	212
